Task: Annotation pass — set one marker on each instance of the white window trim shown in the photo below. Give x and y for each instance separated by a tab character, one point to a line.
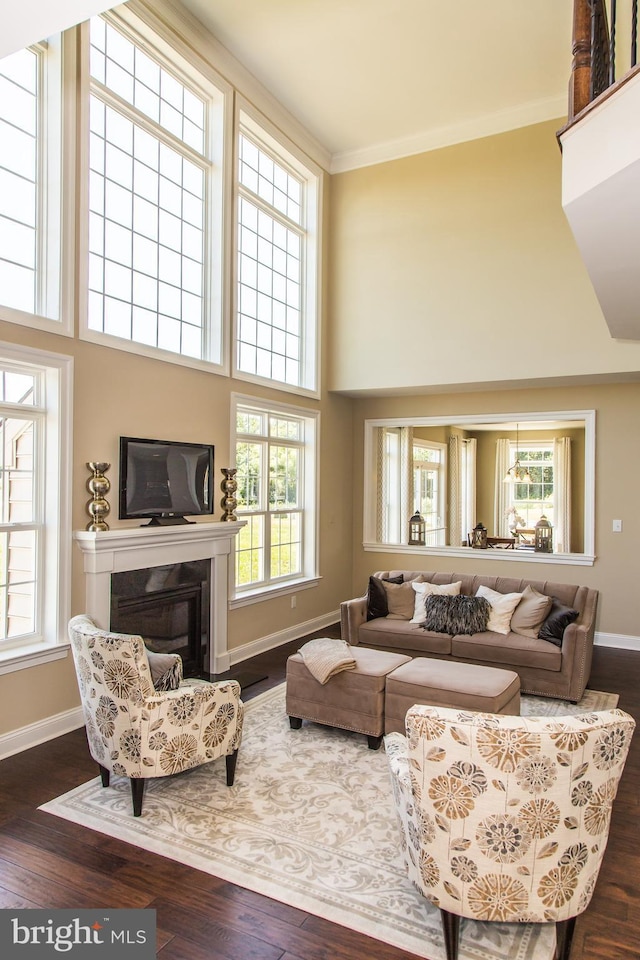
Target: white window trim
311	514
265	132
56	201
159	39
55	591
586	558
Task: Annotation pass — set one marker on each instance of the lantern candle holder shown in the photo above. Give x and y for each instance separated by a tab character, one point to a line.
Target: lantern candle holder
417	531
479	537
543	536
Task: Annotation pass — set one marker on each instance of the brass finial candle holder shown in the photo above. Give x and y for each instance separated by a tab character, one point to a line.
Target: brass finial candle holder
229	486
98	486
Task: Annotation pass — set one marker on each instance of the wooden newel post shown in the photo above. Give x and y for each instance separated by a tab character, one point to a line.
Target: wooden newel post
580	82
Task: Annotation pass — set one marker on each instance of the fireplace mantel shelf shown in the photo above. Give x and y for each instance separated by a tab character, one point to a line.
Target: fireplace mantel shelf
133	548
92	543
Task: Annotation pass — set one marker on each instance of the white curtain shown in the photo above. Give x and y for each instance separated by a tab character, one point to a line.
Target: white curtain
562	495
501	500
381	486
454	527
462	488
394	494
469	455
407	506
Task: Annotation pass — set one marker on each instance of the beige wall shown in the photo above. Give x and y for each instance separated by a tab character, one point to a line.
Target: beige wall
458	267
118	393
426	246
614	572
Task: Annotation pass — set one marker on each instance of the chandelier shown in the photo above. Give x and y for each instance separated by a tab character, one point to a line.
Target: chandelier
516	472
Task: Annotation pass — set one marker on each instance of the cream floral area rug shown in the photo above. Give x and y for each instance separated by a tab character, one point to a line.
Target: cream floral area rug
310	821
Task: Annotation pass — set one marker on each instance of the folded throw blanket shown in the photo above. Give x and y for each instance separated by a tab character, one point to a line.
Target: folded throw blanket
324	657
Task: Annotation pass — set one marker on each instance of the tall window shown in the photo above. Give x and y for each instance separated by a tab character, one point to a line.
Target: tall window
530	500
34	517
30	183
154	195
275	457
277	255
429	464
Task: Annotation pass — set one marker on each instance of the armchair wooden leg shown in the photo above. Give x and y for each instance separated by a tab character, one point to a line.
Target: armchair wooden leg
231	760
451	931
564	936
105	775
137	791
374	742
295	723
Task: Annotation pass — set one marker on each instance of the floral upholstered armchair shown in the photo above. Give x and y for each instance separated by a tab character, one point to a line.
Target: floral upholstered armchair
506	818
137	731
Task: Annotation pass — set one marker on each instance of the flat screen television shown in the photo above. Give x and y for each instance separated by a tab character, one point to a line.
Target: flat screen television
165	480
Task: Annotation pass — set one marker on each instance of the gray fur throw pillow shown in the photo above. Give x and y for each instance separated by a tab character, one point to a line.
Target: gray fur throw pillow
457	615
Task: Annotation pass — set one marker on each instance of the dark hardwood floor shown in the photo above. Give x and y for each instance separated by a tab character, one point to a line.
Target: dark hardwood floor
48	862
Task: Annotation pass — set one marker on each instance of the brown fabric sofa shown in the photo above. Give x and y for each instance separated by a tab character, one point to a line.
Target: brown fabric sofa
545	669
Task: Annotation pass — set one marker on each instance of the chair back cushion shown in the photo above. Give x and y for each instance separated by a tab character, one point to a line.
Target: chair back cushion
511	813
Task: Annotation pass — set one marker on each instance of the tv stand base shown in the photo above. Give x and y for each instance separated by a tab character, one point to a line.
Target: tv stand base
166	521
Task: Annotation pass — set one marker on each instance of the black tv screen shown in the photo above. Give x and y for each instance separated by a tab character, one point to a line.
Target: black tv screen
165	480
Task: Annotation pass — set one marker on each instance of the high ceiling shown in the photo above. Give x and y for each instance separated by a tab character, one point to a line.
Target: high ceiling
376	79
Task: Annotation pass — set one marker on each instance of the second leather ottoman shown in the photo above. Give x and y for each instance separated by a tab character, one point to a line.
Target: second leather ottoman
351	700
468	686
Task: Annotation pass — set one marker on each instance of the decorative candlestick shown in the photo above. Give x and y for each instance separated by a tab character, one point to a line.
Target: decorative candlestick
98	486
229	486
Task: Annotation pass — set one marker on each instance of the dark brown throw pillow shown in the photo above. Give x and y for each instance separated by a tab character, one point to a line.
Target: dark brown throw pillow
456	615
377	605
559	617
166	670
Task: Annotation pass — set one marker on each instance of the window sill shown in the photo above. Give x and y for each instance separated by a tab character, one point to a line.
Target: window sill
269	593
512	556
21	658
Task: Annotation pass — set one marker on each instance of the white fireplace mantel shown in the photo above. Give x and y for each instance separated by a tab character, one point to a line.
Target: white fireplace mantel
114	551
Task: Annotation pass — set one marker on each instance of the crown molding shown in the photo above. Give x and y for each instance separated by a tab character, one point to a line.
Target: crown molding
488	125
172	14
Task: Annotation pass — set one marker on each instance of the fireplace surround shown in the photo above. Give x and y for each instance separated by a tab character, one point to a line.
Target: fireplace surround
111	552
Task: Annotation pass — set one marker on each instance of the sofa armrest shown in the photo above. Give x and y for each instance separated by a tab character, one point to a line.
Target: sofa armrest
352	614
577	652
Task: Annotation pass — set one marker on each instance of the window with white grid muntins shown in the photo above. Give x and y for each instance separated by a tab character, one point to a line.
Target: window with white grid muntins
19	123
270	249
147	199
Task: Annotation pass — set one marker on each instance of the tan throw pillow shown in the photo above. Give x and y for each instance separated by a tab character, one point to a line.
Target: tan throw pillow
399	600
530	613
424	590
502	607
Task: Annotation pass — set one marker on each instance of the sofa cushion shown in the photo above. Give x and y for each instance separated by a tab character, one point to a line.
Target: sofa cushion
424	590
400	600
530	613
377	598
559	617
510	651
455	615
403	635
502	607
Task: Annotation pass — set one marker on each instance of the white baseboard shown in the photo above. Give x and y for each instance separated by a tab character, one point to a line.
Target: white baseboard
273	640
34	733
620	640
30	736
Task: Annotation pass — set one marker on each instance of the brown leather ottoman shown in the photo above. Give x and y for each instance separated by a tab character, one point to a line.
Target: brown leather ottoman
441	683
351	700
